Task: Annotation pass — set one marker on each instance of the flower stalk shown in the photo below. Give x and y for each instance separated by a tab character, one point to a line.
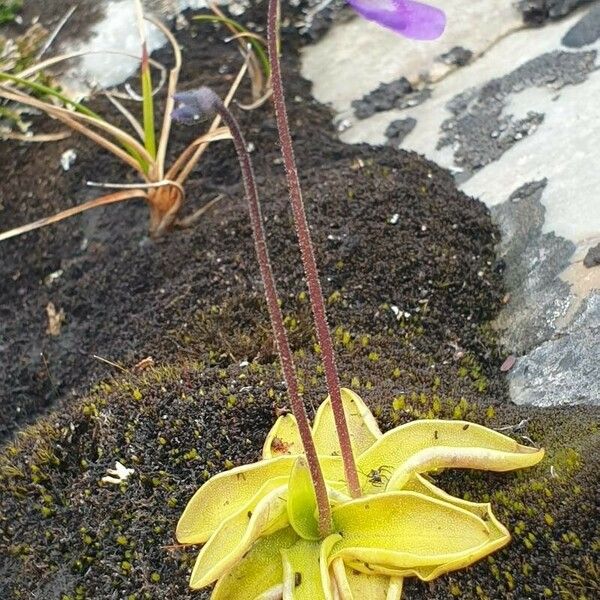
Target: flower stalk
205	101
307	252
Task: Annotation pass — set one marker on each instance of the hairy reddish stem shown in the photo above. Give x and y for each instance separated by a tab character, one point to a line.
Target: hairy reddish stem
285	354
308	256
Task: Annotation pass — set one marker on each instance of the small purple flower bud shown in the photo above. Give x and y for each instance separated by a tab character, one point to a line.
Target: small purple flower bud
195	105
409	18
185	114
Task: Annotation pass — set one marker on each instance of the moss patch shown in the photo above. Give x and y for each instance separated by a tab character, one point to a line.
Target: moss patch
65	533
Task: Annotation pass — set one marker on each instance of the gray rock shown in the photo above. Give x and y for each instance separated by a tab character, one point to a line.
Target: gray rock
592	258
557	361
564	369
538	298
458	56
585	31
385	97
398	130
537	12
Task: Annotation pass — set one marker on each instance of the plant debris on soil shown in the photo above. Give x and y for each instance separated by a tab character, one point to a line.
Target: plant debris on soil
408	268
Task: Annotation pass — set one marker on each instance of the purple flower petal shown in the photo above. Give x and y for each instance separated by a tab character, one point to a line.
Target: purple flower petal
412	19
185	114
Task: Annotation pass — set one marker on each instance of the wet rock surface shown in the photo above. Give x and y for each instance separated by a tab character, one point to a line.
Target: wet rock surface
518	128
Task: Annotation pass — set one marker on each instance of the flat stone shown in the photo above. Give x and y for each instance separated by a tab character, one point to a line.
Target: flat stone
585	31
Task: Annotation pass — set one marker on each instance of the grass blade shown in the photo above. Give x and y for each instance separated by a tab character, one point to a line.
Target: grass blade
69	212
146	79
148	105
48	91
236	28
170	101
71	55
136	161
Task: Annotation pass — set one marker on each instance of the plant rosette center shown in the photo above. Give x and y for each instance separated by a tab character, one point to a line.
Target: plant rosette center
259	522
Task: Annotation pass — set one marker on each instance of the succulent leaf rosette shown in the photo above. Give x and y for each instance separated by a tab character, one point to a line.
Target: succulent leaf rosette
258	522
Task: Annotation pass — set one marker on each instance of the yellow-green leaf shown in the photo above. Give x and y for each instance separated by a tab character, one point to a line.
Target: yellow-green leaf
423	533
354	585
302	502
483	510
363	427
284	438
499	535
306	570
259	572
225	494
236	535
399	445
231	491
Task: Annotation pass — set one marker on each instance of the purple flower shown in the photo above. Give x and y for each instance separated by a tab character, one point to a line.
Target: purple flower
412	19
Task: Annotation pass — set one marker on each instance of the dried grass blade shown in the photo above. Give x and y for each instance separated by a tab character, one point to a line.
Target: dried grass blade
170	101
259	102
69	212
70	117
126	113
220	133
69	56
39	138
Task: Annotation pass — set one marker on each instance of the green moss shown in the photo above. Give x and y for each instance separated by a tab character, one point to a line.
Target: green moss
9	10
194	419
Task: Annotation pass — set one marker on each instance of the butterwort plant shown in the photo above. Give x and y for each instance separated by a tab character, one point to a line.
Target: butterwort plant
336	509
